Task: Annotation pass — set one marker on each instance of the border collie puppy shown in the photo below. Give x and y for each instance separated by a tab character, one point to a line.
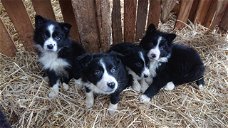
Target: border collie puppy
56	52
104	73
171	64
136	61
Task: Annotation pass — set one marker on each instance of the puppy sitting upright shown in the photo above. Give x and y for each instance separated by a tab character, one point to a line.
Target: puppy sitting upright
104	74
56	51
136	61
171	64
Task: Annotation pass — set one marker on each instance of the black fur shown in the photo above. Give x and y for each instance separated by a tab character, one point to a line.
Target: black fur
3	121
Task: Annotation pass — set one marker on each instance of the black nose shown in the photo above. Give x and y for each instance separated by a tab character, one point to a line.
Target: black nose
111	85
50	46
153	55
145	76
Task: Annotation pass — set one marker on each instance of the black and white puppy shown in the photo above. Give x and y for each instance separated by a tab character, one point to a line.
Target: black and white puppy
56	51
104	73
171	64
136	61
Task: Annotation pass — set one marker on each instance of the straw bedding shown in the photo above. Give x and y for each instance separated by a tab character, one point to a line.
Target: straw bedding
24	92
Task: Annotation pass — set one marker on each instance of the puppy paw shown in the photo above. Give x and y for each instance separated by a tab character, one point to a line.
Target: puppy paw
65	86
201	87
89	103
169	86
53	93
78	83
144	99
112	108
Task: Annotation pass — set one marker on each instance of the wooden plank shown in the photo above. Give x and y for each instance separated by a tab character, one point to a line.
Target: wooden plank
141	18
85	13
68	16
117	34
183	13
44	8
18	15
224	22
215	13
7	46
202	11
167	7
193	10
154	12
129	20
104	23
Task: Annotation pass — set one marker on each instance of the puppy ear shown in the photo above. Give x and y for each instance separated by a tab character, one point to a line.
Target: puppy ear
39	21
85	59
151	28
65	26
170	37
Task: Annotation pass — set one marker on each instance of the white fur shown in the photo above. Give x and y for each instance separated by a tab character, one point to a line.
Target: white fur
201	87
89	99
169	86
78	83
144	85
112	108
145	70
50	40
54	90
144	99
155	50
136	86
65	86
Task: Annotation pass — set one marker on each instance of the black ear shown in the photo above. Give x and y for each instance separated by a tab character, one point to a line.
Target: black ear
151	28
170	37
65	26
84	59
39	21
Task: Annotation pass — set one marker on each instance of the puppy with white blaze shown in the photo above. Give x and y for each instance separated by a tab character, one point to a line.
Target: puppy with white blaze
136	61
170	64
56	52
104	74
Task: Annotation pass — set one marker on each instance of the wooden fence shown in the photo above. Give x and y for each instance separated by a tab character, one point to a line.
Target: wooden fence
97	23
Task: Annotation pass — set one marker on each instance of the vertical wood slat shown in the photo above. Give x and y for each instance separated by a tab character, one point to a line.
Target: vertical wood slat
68	16
116	22
183	13
167	7
141	18
154	12
18	15
7	46
193	10
202	11
224	22
104	23
44	8
85	14
129	20
215	13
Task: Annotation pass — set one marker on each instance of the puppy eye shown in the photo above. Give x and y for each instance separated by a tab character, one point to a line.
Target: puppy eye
97	72
113	69
57	38
138	64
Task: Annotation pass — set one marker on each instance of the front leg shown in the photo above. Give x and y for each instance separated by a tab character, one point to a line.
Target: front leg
114	99
89	98
136	86
144	85
54	82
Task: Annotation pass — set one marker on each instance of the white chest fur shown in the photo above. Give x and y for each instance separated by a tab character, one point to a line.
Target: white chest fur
50	61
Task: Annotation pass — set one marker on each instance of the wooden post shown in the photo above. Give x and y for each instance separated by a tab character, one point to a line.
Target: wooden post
193	10
68	16
183	13
117	34
129	20
104	23
141	18
154	12
85	13
224	22
21	21
167	7
202	11
44	8
7	46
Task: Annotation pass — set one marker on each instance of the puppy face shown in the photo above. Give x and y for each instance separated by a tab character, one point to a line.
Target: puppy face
101	70
50	35
157	44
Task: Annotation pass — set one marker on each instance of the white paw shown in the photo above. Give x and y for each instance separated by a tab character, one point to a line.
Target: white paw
169	86
112	108
201	87
89	100
144	99
53	93
65	86
78	83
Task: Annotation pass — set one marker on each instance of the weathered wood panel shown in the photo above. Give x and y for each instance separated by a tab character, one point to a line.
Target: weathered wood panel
68	16
7	46
141	18
193	10
154	12
44	8
21	21
183	13
85	13
167	7
104	23
117	34
224	22
202	11
129	20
